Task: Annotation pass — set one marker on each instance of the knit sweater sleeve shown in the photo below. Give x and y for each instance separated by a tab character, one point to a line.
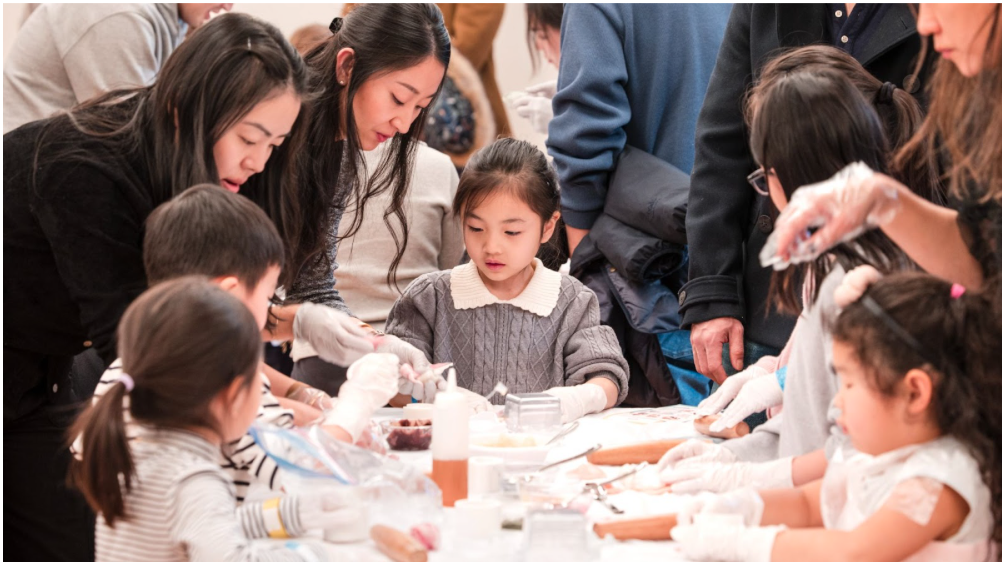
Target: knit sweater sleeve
412	317
592	350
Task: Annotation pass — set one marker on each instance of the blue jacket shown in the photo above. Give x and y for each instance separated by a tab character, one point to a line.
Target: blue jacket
629	74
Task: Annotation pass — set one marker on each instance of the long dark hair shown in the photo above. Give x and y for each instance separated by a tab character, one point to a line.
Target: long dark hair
958	340
962	126
385	38
182	342
840	114
212	80
540	17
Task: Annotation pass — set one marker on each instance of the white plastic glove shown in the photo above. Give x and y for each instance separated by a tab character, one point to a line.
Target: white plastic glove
744	502
755	396
408	354
689	479
710	540
476	402
328	510
372	381
695	452
841	208
546	89
336	337
721	397
422	387
577	401
537	109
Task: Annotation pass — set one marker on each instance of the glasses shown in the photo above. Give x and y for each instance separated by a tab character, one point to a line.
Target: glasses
758	180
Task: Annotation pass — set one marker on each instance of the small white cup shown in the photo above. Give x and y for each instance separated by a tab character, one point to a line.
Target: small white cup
417	411
477	518
484	477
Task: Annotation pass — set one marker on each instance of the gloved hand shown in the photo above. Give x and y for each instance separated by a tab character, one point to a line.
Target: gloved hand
721	397
745	502
336	337
328	510
688	479
709	540
476	402
755	396
537	109
546	89
408	354
695	452
841	208
372	381
310	396
421	387
577	401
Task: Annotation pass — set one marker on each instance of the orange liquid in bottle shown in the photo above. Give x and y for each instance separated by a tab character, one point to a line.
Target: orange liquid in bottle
451	478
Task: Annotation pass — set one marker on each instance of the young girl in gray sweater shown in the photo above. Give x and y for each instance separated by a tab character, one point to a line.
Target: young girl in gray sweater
503	317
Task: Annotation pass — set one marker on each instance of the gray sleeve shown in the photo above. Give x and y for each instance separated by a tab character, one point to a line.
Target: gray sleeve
592	350
413	315
452	230
316	283
117	52
211	528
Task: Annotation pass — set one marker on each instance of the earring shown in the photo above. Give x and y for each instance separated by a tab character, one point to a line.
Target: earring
341	82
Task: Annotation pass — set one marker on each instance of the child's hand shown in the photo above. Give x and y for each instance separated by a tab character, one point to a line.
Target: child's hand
476	402
372	381
745	502
578	401
690	478
329	510
719	400
713	540
695	452
757	395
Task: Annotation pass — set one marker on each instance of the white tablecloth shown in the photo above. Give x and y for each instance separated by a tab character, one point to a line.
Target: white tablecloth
616	427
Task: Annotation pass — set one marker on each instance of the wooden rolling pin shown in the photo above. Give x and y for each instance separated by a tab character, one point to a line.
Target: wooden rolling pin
654	528
649	452
399	546
703	426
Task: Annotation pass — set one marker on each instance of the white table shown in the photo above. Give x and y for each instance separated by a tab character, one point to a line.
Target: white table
616	427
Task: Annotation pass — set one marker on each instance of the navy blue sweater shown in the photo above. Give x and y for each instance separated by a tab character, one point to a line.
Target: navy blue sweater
629	74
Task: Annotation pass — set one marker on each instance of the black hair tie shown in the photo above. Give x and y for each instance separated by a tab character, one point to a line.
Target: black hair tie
886	93
336	24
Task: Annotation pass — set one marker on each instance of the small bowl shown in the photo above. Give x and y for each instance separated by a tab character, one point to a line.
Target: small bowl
408	435
514	448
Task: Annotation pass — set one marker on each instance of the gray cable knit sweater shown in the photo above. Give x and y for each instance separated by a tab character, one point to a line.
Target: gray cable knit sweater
503	341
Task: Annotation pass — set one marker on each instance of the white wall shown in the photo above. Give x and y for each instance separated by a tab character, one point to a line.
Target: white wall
511	55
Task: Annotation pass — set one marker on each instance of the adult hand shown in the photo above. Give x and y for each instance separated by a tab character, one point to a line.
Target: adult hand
578	401
695	452
755	396
372	381
711	540
689	478
841	208
408	354
537	110
708	339
721	397
336	337
546	89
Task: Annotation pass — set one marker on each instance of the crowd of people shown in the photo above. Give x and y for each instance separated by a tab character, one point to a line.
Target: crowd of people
786	215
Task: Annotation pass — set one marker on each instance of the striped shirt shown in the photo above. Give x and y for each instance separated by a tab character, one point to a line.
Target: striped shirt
182	507
243	459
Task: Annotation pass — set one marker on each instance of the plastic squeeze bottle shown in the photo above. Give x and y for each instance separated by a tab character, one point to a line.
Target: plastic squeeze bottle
450	442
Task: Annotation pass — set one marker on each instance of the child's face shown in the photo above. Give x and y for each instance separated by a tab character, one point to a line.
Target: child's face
502	236
258	298
244	148
243	403
872	420
547	40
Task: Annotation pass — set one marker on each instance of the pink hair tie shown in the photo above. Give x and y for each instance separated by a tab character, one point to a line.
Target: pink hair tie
956	290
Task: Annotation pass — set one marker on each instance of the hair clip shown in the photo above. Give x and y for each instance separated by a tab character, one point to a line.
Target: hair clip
336	24
956	290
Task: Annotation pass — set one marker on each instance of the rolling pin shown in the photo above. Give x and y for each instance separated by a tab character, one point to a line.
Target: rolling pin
649	452
399	546
654	528
703	426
